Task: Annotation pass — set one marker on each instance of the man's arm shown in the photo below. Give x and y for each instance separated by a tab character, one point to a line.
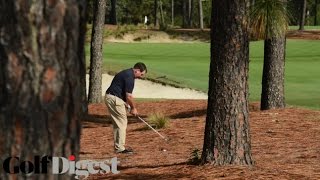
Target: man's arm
133	110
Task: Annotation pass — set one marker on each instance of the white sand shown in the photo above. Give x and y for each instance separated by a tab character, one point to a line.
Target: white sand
148	89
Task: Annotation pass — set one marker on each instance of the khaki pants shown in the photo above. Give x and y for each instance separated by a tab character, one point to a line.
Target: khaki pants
117	109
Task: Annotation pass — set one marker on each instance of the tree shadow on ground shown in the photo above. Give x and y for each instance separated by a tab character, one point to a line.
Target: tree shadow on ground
189	114
94	118
144	176
83	152
106	119
152	166
253	107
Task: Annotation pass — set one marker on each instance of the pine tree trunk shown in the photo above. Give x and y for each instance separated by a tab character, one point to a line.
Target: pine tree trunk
172	12
227	138
190	13
162	24
315	12
113	13
303	14
95	82
156	20
41	58
200	14
184	14
82	38
272	95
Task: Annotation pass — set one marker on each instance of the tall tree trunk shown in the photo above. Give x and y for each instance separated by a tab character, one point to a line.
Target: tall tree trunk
82	38
41	58
96	52
272	95
190	13
303	14
156	20
163	24
172	13
200	14
113	13
184	14
252	2
227	138
315	12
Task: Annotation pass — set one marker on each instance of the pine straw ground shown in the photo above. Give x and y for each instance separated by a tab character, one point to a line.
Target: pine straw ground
285	143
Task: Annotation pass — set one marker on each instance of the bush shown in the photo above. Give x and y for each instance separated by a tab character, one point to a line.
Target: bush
195	157
158	120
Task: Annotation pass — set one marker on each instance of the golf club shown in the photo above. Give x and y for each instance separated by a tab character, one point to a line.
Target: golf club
166	139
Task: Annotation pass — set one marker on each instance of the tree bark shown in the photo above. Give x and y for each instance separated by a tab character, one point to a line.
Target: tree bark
252	2
184	14
163	25
200	14
272	95
227	138
82	38
113	13
315	12
156	20
41	64
96	52
303	14
172	13
190	7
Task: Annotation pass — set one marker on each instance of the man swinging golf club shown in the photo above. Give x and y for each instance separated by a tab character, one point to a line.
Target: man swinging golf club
118	96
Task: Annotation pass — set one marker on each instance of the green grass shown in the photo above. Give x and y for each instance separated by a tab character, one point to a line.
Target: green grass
185	63
302	77
188	64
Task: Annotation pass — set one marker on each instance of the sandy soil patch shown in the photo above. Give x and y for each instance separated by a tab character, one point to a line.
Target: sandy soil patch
192	35
306	34
150	36
148	89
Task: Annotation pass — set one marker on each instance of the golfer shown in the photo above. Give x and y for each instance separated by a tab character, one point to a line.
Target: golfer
118	97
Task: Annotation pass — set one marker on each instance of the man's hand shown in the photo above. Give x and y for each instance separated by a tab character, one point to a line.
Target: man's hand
134	111
128	107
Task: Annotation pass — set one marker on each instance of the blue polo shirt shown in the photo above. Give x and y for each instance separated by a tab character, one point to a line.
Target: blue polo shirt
122	83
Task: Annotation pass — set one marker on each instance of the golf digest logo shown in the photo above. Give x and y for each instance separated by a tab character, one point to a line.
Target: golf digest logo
60	165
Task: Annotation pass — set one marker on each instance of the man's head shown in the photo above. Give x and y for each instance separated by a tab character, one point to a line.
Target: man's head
139	70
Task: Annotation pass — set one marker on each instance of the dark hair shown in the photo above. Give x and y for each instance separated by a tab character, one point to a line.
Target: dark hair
141	66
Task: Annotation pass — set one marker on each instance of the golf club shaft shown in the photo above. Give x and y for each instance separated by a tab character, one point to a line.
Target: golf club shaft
151	127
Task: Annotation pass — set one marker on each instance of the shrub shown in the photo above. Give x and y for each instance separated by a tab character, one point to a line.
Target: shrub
195	157
158	120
